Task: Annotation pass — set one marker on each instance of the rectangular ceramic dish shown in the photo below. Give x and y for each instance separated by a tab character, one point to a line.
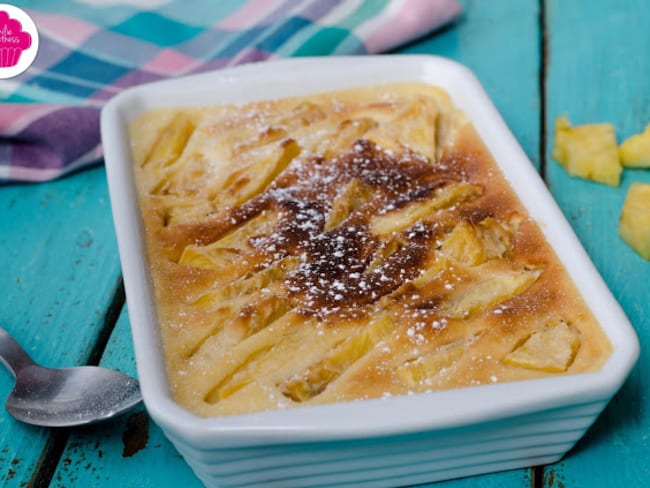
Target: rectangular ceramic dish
388	442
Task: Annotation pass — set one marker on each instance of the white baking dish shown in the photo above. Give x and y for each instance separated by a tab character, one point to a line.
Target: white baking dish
387	442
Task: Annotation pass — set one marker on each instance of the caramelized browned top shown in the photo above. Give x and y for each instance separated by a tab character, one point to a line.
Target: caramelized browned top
331	277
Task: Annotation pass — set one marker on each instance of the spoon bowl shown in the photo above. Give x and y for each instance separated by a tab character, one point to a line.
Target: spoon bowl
64	397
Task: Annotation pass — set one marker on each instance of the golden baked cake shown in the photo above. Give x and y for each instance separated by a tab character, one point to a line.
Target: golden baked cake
344	246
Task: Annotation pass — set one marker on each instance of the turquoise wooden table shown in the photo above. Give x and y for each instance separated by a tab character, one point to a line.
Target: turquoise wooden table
62	295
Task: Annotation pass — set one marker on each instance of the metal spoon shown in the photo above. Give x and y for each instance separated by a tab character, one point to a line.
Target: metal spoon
64	397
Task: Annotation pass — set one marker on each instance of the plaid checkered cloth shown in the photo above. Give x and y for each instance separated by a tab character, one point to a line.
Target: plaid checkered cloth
91	49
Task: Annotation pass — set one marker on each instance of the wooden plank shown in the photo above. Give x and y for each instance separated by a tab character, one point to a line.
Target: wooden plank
499	42
598	69
59	271
129	451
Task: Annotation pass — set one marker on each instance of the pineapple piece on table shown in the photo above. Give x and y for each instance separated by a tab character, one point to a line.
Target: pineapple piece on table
635	151
634	225
588	151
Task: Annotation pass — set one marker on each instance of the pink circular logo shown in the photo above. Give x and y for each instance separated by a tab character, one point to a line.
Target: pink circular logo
18	41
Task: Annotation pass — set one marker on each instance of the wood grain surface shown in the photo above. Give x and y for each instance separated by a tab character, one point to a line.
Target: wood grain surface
63	298
598	70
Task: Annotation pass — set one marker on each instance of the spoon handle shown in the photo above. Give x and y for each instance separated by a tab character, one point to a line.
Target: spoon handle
12	355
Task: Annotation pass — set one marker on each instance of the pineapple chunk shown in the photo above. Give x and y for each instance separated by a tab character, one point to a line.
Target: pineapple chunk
219	258
316	377
260	225
230	249
349	199
635	151
634	225
464	245
271	161
474	244
414	128
259	355
495	286
180	210
422	369
385	250
497	237
238	379
171	142
267	136
588	151
247	285
346	133
551	349
402	218
256	316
